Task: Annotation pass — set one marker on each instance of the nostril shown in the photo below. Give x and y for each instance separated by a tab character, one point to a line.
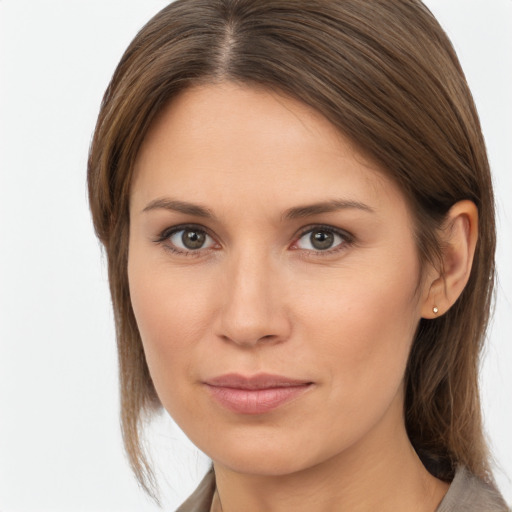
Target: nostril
249	340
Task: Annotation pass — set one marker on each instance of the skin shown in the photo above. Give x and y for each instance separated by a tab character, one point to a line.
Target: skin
258	296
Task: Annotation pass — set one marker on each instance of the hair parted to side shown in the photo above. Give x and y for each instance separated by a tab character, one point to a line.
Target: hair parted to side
386	75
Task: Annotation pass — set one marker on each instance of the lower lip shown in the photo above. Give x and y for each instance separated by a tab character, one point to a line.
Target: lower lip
256	401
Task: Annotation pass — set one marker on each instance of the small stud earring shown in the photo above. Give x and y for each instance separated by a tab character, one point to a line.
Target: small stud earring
435	310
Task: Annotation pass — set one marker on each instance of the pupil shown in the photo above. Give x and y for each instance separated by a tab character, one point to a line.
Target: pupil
193	239
322	240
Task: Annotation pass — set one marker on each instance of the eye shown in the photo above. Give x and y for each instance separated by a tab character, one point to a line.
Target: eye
186	239
322	239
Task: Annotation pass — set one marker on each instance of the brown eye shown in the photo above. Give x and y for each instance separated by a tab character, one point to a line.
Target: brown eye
193	239
190	239
321	239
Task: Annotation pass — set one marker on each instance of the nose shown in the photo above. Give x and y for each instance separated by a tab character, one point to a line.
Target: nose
253	302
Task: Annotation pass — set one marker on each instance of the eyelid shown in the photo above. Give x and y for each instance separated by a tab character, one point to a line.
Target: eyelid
168	232
171	230
348	238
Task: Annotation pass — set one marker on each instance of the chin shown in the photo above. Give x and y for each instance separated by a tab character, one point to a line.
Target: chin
265	455
263	463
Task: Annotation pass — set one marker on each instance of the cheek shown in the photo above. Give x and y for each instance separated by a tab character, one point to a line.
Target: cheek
363	330
171	314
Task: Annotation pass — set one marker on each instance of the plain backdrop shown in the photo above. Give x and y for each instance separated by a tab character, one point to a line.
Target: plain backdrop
60	445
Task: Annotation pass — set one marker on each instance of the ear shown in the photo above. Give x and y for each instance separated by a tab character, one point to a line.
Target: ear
458	236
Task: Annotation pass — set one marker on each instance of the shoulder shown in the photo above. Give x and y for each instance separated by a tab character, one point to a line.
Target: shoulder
468	493
201	499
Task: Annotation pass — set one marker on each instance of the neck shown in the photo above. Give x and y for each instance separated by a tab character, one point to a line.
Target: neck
381	472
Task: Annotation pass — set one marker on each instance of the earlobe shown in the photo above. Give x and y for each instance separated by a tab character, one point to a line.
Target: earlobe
458	237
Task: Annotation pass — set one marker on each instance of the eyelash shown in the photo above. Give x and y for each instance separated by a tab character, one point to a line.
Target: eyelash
346	237
166	234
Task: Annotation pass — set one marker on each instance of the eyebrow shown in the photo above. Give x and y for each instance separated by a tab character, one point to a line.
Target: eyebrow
325	207
179	206
296	212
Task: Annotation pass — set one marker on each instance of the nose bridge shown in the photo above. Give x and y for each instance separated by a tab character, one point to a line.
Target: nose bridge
252	307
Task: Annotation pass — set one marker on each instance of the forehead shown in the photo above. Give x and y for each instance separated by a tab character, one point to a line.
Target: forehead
230	144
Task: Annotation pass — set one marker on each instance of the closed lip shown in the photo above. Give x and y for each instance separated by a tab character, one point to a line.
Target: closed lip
257	394
254	382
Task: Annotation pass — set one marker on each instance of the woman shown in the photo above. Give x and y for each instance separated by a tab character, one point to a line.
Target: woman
296	204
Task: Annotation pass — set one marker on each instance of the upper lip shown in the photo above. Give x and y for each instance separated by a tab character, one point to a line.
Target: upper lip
259	381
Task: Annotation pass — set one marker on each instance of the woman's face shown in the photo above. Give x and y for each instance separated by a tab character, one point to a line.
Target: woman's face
275	281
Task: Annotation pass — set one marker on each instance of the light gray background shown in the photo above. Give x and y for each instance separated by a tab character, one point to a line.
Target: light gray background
60	446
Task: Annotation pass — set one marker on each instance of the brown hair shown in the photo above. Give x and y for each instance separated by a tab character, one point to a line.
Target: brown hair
386	75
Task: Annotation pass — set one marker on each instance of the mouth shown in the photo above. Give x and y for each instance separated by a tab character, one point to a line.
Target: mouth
257	394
